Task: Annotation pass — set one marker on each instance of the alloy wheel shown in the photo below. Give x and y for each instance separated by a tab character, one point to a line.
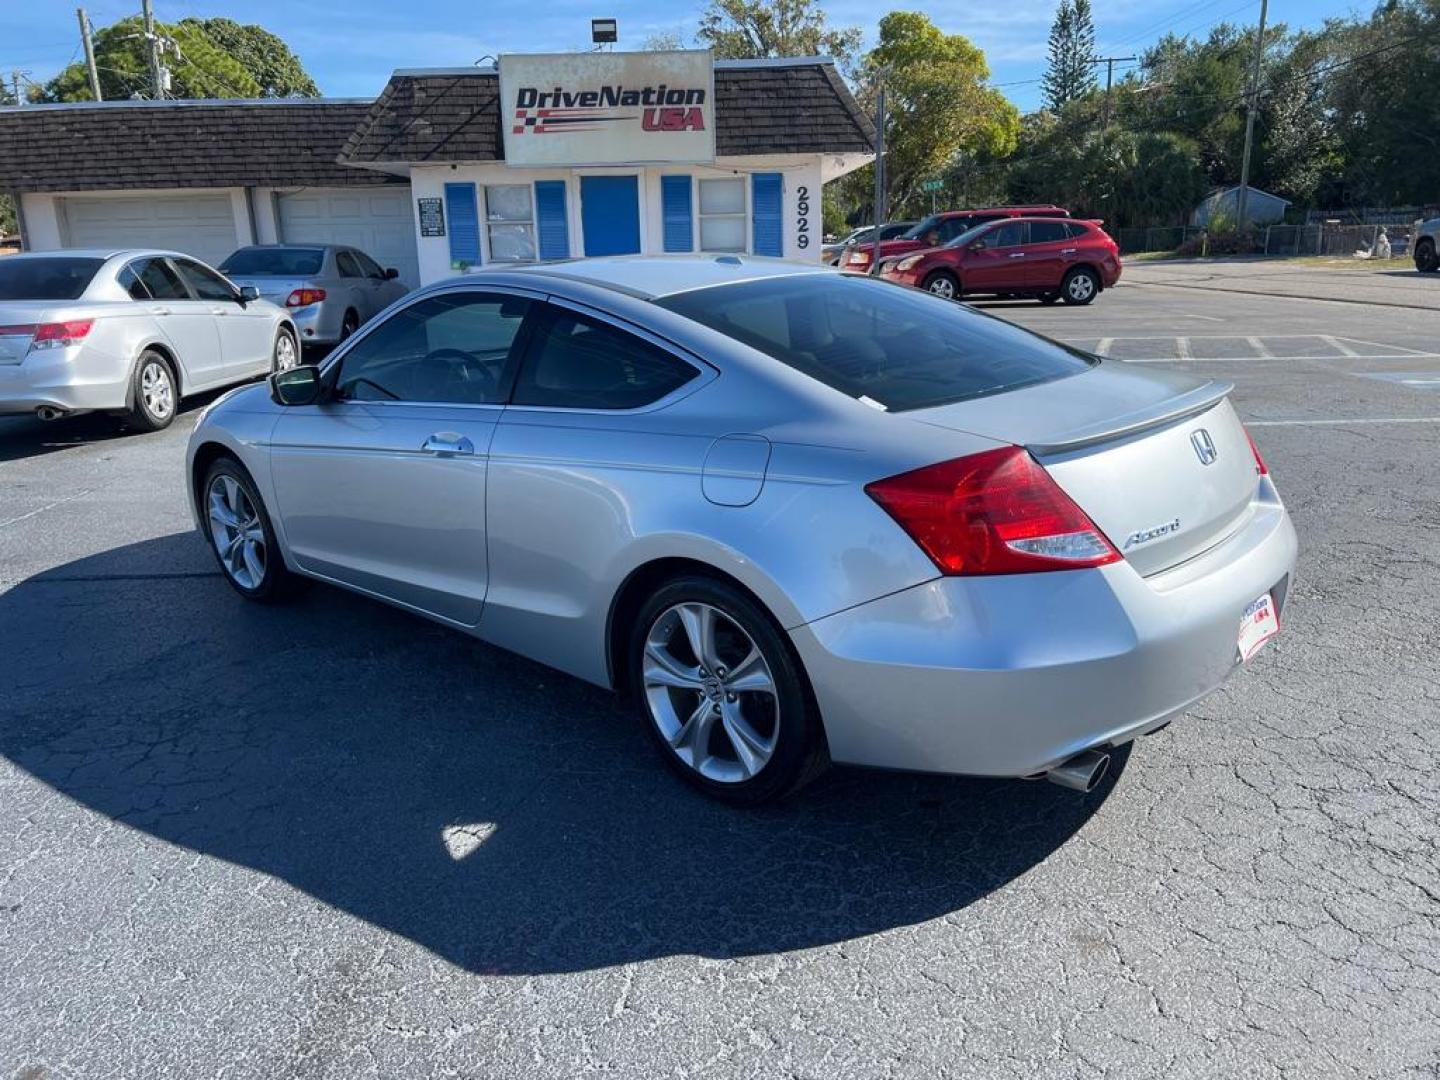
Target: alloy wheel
236	532
285	355
710	692
157	389
1081	287
943	287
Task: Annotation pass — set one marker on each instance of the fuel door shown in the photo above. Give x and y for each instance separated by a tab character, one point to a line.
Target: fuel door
734	469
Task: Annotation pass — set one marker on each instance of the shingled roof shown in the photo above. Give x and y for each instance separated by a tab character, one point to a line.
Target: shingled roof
761	107
168	144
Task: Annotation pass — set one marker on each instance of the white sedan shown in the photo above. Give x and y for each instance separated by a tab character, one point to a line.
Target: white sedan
129	332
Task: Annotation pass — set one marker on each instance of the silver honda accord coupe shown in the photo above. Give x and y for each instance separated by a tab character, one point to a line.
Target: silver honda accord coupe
796	516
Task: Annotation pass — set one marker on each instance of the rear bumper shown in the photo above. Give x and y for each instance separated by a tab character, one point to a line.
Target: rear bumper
1010	675
71	380
318	324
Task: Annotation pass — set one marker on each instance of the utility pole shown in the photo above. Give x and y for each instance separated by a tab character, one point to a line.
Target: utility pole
88	40
879	172
1109	62
16	76
1242	200
152	50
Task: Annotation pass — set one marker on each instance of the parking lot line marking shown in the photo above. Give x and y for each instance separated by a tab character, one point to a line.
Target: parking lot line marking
1259	346
1345	423
1182	348
42	509
1253	359
1103	347
1403	349
1337	343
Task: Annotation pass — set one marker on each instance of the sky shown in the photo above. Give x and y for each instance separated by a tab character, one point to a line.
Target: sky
351	46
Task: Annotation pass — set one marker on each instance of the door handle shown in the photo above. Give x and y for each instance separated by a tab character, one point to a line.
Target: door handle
159	311
1067	251
219	311
448	442
1017	255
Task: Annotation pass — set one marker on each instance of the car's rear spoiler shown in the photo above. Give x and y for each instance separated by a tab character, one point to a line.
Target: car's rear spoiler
1169	411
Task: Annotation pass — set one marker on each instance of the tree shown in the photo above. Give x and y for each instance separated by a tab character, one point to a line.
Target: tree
1070	73
746	29
266	57
663	41
259	66
938	106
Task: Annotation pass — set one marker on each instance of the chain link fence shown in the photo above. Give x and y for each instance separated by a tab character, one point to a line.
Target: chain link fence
1154	238
1339	241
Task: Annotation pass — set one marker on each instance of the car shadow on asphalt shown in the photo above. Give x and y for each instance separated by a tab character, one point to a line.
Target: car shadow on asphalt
508	818
28	437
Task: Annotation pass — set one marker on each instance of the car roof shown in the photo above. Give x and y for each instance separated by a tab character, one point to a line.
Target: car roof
101	253
1013	211
650	276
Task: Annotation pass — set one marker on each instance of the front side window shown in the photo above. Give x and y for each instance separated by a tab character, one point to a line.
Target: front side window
580	363
160	280
208	285
453	348
510	222
893	347
62	277
1011	234
722	214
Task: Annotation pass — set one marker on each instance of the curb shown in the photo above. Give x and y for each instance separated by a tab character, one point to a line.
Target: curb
1286	296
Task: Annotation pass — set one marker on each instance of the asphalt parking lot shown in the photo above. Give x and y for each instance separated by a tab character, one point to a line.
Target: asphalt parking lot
332	840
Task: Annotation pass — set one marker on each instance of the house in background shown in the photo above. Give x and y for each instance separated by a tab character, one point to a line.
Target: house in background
1261	207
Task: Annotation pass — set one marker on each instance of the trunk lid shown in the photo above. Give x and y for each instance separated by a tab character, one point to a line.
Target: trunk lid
18	319
275	289
1160	462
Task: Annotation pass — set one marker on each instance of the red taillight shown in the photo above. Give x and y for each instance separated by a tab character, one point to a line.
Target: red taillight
1260	466
302	297
997	512
59	334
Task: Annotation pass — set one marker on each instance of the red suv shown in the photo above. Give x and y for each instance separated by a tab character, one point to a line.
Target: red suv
938	229
1044	257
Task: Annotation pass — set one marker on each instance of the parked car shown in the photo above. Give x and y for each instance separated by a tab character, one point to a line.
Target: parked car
129	332
1425	246
1048	258
831	254
330	291
795	515
938	229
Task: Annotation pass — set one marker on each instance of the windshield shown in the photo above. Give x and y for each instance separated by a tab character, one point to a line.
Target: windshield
915	232
274	262
891	346
57	278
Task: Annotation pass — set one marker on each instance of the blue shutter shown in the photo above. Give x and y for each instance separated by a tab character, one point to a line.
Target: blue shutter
767	212
464	215
551	222
676	214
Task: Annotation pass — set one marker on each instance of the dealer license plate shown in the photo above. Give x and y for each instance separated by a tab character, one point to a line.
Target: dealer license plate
1257	626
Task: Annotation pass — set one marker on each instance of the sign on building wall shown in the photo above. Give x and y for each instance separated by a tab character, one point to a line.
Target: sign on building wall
432	217
608	108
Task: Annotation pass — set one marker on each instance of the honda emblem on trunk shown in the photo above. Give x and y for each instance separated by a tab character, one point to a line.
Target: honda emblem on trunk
1204	447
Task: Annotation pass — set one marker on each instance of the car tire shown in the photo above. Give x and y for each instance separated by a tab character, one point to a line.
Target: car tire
349	324
1427	261
286	352
154	393
745	745
1081	285
942	283
241	537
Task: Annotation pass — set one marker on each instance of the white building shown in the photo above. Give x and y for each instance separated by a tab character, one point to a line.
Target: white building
592	153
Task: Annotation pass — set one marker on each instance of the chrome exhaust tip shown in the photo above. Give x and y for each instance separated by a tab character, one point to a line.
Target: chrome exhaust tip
49	412
1081	772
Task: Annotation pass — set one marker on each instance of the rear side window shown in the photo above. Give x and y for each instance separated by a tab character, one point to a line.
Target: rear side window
161	281
1076	230
1049	232
581	363
347	265
893	347
58	278
368	266
130	281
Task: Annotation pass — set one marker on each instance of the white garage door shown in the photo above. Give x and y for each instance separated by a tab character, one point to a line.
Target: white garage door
377	221
199	225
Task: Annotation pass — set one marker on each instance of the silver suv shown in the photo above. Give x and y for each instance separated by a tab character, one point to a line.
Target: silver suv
1426	247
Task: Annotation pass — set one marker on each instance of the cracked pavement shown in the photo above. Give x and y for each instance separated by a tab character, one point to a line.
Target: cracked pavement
333	840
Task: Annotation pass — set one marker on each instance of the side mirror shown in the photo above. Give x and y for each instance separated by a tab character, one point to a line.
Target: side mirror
297	386
249	293
391	273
